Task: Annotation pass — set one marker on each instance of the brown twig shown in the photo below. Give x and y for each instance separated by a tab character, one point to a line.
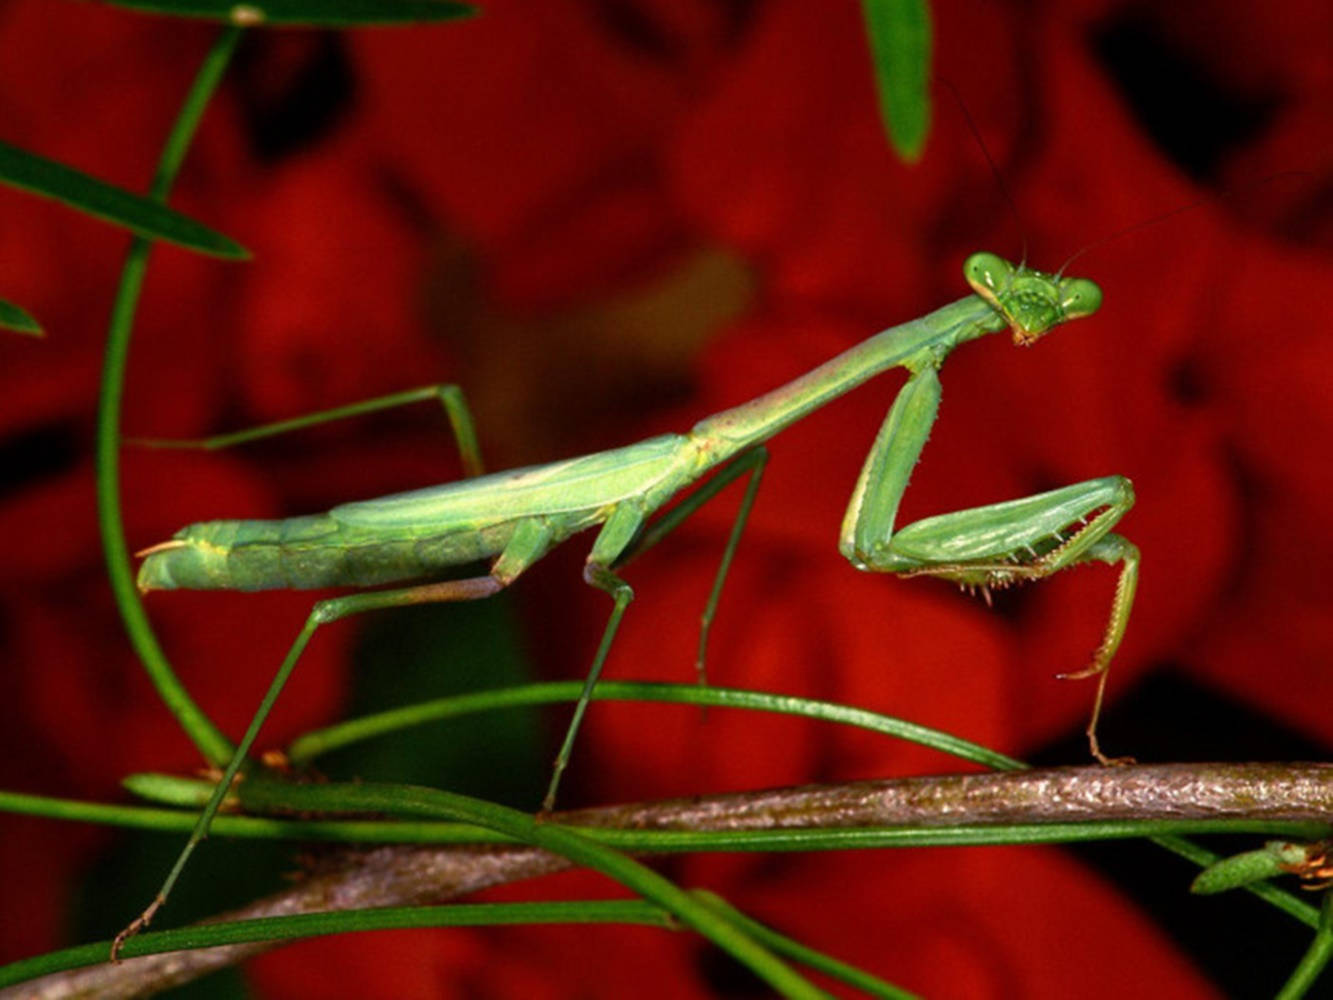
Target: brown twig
403	875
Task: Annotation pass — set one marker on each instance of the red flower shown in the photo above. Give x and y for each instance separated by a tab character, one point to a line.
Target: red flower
502	186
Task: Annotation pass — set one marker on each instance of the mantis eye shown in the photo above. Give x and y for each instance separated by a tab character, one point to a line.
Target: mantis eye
987	273
1079	297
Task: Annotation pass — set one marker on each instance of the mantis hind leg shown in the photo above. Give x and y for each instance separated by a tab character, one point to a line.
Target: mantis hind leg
449	396
530	542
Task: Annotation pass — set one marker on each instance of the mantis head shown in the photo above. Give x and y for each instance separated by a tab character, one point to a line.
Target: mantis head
1031	302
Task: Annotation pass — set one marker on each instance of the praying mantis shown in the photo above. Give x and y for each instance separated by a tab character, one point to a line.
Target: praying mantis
513	518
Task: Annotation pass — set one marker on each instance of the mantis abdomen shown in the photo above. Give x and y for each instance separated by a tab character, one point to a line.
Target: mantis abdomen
302	553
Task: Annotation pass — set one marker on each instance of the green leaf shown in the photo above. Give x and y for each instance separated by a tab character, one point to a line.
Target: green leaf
307	13
899	33
1315	960
14	318
1274	858
303	925
38	175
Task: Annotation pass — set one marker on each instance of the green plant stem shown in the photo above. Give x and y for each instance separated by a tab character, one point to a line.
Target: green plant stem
601	825
304	925
273	930
783	945
1296	908
320	741
415	870
570	844
306	748
882	833
1316	957
206	736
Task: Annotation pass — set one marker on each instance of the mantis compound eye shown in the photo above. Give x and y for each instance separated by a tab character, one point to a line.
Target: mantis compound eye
1080	297
987	273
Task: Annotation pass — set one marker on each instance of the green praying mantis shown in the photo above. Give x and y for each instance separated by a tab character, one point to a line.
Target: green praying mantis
512	519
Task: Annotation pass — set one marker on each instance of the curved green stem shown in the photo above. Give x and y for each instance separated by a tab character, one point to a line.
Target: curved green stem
313	744
1271	894
206	736
793	949
271	796
568	843
320	741
1316	958
304	925
272	930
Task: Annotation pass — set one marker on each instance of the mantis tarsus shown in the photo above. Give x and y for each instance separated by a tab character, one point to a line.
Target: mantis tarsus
514	518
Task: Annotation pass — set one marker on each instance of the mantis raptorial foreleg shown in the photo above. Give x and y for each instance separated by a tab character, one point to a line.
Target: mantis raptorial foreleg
994	546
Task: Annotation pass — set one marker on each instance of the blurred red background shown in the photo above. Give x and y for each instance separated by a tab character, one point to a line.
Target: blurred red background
606	220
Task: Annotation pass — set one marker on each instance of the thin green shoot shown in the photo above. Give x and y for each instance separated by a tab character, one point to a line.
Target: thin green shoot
206	736
1316	958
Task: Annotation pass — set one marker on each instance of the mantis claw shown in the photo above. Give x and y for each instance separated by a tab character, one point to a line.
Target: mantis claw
1085	673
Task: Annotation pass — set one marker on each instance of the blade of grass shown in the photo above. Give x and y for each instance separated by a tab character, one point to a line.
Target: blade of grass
314	743
306	925
19	320
303	750
1316	958
277	797
807	956
306	13
577	848
899	32
147	217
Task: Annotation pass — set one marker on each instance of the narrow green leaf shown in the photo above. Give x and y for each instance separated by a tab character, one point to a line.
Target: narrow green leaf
14	318
1274	858
307	13
899	33
1315	960
807	956
303	925
38	175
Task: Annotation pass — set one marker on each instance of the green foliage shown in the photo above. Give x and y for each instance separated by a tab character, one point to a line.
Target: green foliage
900	42
1274	858
84	193
307	13
14	318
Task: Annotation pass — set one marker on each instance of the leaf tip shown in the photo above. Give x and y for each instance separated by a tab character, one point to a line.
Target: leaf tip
19	320
231	250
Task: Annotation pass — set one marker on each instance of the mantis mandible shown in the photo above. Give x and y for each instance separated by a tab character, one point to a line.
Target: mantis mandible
514	518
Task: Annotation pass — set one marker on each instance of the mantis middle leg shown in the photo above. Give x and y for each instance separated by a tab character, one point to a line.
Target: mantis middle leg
993	546
626	535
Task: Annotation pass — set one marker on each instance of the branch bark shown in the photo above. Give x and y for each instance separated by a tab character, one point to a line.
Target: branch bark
403	875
